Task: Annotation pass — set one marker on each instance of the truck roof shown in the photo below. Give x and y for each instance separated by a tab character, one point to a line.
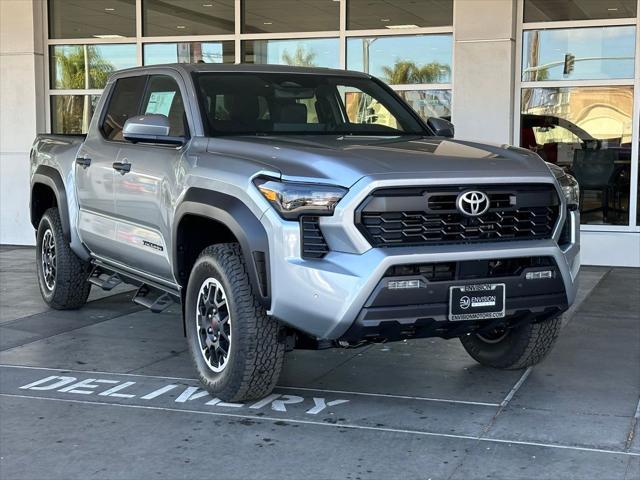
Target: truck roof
248	68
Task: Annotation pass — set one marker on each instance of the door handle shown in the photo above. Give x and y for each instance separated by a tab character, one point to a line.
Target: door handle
122	167
84	162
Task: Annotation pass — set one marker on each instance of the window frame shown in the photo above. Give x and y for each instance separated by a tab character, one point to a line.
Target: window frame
341	33
386	88
109	98
519	85
109	92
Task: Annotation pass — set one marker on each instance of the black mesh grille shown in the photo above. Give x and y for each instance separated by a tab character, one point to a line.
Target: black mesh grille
390	218
470	269
313	242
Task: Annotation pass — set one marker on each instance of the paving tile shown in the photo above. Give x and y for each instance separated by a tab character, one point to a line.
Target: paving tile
518	462
593	369
55	322
356	411
178	365
19	287
588	280
10	337
74	350
566	428
141	324
619	292
633	469
427	367
88	442
635	441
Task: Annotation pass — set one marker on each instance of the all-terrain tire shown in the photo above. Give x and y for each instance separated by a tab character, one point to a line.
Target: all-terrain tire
521	347
67	288
257	345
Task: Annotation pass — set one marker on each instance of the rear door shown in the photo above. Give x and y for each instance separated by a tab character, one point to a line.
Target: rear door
94	167
145	193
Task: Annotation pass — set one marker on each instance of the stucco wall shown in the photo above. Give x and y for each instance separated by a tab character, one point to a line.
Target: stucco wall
21	111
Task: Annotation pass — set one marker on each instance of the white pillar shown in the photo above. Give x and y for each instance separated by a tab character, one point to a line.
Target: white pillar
483	69
22	112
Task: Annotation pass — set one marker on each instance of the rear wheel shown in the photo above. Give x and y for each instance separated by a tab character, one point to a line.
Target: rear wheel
513	348
62	275
238	350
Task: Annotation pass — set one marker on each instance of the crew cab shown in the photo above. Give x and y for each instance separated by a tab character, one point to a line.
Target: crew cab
285	207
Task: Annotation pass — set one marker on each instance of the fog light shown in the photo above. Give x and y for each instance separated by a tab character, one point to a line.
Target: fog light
539	275
403	284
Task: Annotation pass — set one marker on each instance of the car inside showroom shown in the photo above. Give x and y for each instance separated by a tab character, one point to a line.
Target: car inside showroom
330	239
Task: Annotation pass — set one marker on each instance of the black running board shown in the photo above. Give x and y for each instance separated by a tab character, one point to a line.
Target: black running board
152	298
150	294
106	281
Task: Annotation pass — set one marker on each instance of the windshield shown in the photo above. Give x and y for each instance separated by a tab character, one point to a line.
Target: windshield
276	103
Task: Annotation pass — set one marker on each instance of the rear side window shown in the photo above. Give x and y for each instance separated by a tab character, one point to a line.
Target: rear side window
163	98
124	103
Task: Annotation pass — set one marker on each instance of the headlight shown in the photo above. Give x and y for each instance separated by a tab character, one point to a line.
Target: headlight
293	199
569	185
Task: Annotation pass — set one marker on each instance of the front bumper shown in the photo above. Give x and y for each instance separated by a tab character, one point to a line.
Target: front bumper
324	297
327	297
394	312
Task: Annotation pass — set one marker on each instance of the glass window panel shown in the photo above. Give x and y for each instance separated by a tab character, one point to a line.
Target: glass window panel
554	10
403	59
106	59
72	114
286	103
88	66
187	17
68	67
398	14
363	109
312	52
189	52
579	53
87	19
163	97
429	103
277	16
124	103
587	131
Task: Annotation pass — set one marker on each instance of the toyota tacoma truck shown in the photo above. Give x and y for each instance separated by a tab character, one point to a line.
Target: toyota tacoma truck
289	207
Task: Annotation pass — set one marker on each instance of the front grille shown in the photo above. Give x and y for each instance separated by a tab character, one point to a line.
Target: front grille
419	216
313	242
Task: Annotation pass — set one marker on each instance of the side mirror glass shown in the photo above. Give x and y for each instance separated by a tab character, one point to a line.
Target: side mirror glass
441	127
152	128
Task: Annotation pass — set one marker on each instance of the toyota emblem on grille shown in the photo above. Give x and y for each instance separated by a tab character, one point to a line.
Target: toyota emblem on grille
473	203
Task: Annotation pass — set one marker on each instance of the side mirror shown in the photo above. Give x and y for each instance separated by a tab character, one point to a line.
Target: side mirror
152	128
441	127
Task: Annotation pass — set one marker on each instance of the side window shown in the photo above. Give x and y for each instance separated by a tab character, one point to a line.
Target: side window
362	108
123	104
163	98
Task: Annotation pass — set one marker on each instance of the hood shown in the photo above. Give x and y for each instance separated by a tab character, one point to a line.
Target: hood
343	160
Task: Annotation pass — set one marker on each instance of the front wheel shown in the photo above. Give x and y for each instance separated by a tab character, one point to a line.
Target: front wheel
238	350
513	348
62	275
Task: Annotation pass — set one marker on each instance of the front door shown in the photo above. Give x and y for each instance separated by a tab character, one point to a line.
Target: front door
145	190
94	171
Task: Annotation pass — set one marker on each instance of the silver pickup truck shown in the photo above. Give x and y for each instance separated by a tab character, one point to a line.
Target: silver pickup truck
287	207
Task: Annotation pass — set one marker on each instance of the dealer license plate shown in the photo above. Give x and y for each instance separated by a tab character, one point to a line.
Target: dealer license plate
476	302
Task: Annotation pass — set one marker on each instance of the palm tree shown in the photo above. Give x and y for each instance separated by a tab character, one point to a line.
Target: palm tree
78	67
404	71
301	57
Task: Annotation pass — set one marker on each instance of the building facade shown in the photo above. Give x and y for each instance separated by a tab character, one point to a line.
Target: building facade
559	77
